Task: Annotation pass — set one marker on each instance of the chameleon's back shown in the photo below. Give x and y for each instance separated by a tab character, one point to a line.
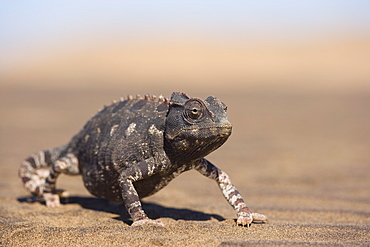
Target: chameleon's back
117	137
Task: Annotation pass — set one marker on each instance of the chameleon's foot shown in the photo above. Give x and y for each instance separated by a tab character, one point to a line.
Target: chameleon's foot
246	219
259	218
52	200
147	221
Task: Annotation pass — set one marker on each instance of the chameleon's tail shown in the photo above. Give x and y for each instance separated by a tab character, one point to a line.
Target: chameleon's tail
36	168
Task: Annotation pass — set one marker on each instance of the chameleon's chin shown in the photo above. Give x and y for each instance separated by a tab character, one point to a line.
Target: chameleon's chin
225	131
192	144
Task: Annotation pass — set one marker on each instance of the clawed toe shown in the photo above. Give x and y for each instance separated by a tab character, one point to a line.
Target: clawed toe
147	221
244	220
247	219
259	218
52	200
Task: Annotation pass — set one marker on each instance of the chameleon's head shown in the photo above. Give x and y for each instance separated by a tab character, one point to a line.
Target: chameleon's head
195	127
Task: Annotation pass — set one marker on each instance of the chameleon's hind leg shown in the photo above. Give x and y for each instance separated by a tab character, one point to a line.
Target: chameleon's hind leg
67	164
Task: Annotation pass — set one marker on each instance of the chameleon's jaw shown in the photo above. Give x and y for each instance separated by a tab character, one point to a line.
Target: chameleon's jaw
224	128
225	131
202	132
194	143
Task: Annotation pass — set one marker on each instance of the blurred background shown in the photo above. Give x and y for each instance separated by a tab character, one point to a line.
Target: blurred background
295	76
276	45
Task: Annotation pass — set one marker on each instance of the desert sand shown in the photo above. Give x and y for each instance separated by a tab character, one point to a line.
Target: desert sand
299	156
300	159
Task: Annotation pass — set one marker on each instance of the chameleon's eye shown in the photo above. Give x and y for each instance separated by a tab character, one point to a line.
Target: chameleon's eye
194	110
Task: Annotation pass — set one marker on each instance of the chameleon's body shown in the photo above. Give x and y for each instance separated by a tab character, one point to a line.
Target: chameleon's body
133	148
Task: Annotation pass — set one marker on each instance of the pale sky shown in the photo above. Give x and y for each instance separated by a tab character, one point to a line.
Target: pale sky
29	25
30	21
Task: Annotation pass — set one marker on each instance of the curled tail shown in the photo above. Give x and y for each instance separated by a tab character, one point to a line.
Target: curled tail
36	168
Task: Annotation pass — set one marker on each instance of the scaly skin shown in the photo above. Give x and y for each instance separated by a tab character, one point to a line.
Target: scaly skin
135	147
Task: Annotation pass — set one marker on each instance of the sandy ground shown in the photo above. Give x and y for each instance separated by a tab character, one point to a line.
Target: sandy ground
300	158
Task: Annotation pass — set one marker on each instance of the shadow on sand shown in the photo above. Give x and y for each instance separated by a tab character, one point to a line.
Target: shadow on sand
153	210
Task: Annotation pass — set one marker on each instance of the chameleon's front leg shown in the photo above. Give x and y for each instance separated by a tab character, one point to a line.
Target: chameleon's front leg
141	170
245	217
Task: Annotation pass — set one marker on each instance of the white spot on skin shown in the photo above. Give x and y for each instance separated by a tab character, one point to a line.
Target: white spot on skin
150	170
41	158
233	199
130	129
183	145
26	169
154	131
113	129
87	137
134	205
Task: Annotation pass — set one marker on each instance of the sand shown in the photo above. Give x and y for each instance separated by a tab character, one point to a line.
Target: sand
300	158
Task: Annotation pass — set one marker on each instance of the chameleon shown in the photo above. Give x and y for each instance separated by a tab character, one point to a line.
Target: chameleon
134	147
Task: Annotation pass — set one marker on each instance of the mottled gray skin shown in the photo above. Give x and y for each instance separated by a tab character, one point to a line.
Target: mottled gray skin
133	148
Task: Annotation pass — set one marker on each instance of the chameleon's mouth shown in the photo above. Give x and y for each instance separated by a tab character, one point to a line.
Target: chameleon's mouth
202	132
229	127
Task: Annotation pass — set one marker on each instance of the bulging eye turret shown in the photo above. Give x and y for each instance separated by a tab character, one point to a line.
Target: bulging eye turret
194	111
